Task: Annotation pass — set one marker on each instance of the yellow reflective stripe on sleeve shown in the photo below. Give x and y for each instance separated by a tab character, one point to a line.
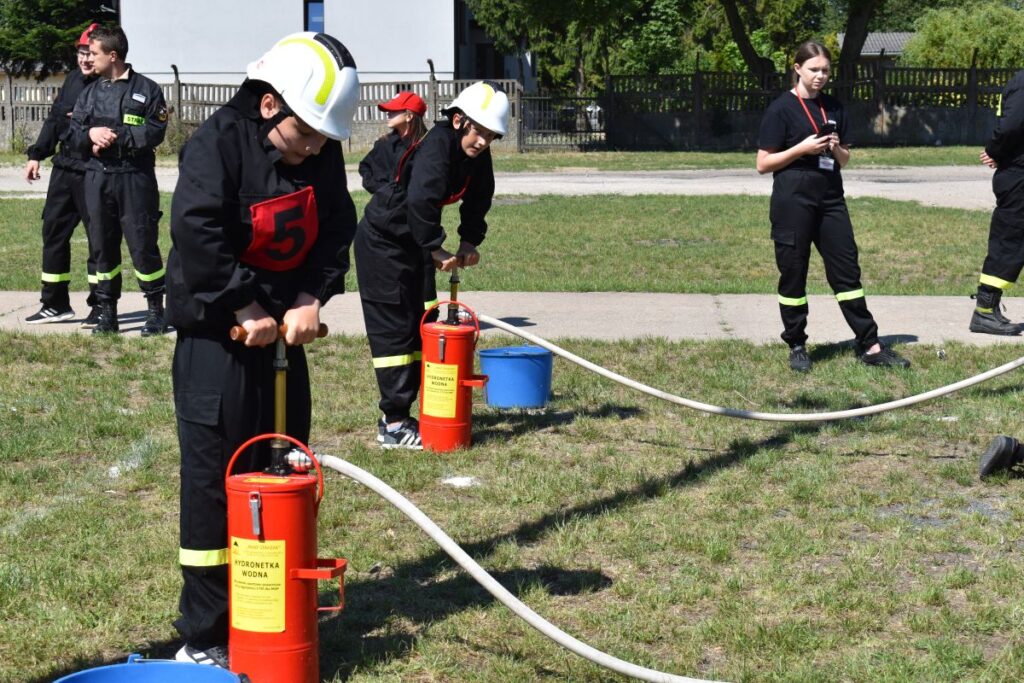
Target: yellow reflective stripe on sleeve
999	107
329	66
786	301
993	281
134	120
202	558
56	277
850	296
428	304
92	278
396	361
151	276
108	276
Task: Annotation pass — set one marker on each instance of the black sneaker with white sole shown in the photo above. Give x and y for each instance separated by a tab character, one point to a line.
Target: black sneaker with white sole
211	656
406	435
50	314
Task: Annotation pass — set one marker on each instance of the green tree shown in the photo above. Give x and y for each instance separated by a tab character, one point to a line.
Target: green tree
38	36
948	37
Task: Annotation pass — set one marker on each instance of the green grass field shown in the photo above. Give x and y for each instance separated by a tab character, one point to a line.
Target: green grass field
863	551
636	244
856	551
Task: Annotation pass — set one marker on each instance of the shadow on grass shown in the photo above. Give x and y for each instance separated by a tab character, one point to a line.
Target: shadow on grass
383	617
500	425
823	352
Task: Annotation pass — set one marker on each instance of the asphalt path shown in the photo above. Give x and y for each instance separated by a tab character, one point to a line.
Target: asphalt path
960	187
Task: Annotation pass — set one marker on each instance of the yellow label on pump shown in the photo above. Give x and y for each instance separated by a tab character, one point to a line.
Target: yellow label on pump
257	585
440	389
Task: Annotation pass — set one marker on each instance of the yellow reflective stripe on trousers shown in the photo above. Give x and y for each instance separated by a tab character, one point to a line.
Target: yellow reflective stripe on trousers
396	361
850	296
108	276
786	301
56	277
993	281
428	304
92	279
202	558
152	276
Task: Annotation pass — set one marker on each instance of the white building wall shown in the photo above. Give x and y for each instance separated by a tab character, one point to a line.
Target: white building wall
211	41
391	41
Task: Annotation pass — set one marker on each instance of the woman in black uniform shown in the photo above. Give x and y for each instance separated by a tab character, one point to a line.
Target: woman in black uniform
800	143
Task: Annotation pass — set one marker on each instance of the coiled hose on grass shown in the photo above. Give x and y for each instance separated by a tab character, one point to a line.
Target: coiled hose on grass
751	414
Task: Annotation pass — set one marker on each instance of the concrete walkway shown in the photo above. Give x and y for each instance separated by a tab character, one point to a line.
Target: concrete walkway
616	315
959	187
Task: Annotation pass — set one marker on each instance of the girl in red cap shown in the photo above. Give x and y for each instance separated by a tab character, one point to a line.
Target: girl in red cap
405	127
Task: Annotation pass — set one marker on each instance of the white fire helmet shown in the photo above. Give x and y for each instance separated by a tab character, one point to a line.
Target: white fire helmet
485	103
316	77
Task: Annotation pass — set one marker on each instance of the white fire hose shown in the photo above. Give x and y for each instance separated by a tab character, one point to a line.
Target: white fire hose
521	609
750	414
493	587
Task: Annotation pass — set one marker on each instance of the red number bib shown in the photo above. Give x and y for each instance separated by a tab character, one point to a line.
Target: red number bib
283	231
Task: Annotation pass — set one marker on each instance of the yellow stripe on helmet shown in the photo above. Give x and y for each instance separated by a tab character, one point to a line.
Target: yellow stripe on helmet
328	61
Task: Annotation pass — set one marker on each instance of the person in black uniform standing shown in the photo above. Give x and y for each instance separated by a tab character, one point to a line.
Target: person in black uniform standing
801	143
402	219
65	197
1005	258
261	222
119	120
405	128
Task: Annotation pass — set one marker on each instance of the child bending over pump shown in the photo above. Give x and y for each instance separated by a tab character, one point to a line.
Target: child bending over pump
452	163
261	222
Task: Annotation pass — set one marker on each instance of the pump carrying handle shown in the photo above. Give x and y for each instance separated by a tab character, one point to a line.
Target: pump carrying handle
472	313
239	333
295	442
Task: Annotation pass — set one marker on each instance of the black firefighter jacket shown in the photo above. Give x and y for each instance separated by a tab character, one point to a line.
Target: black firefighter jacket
247	227
1007	144
56	125
435	173
134	109
377	168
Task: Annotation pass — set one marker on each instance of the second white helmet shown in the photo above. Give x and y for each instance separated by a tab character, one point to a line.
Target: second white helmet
485	103
316	77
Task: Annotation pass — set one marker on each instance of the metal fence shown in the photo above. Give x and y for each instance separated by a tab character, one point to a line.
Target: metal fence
25	104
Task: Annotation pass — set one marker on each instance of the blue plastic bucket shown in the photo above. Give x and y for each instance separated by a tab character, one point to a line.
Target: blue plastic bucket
517	376
139	670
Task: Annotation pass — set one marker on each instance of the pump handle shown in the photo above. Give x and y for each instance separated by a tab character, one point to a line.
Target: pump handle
239	333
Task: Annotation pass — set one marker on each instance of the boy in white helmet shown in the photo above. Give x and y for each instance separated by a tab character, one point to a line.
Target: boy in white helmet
452	163
261	222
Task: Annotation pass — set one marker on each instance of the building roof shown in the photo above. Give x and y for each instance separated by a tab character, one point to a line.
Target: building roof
892	43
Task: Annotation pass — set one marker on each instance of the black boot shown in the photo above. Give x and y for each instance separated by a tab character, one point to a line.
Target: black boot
1003	453
987	318
107	323
155	323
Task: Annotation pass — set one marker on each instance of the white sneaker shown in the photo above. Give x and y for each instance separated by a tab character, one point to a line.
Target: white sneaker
211	656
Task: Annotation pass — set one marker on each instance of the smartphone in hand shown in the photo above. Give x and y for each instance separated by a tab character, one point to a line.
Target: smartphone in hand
827	129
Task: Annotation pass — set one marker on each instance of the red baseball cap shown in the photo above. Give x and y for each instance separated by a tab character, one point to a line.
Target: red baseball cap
84	40
405	100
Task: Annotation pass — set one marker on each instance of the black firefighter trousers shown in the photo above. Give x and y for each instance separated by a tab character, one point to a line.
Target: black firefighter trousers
395	280
808	207
62	212
1005	257
223	396
124	204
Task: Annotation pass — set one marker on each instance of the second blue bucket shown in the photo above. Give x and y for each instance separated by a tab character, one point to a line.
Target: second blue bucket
517	376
